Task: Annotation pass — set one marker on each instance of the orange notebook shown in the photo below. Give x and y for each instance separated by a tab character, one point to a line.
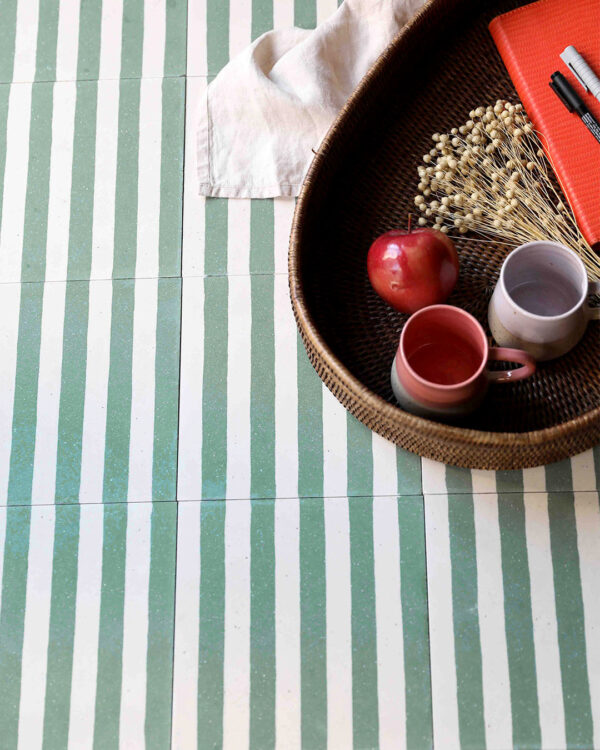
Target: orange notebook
530	40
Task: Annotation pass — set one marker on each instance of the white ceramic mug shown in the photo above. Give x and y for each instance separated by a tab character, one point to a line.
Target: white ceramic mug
540	301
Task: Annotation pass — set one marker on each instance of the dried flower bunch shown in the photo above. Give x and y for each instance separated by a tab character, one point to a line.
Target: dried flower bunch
492	177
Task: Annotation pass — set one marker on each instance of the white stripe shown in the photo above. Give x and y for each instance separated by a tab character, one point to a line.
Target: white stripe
385	467
96	391
494	654
587	516
483	481
67	41
141	441
283	213
335	451
238	388
236	667
441	631
196	38
9	333
105	178
240	26
193	204
48	396
87	623
390	639
15	182
325	8
287	624
155	22
339	623
543	610
238	237
110	39
283	14
36	627
534	480
189	479
135	625
187	627
26	40
286	393
434	476
61	168
584	472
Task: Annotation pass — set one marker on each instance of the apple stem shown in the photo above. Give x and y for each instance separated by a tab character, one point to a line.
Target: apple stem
409	223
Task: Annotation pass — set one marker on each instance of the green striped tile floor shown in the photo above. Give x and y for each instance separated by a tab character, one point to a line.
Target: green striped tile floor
306	584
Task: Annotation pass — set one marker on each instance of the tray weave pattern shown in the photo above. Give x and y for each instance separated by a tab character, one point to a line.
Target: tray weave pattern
362	182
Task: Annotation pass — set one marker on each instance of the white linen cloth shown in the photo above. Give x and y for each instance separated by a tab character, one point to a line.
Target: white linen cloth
273	103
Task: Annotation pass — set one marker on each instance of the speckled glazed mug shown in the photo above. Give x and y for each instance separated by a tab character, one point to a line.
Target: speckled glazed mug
540	301
440	367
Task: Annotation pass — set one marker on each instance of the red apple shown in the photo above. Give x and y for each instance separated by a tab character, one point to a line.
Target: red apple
414	268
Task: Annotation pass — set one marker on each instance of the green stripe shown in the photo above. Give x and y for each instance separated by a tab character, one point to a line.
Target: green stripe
519	619
25	399
110	637
132	39
35	232
559	476
365	712
262	236
82	181
570	620
217	35
62	627
305	13
262	17
8	26
458	480
509	481
171	177
215	237
161	611
176	38
310	427
212	625
126	188
88	61
262	625
118	404
360	457
166	390
214	389
45	64
467	644
408	467
12	620
313	625
72	392
415	626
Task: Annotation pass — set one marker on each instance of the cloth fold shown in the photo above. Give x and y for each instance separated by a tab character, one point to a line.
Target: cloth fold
271	105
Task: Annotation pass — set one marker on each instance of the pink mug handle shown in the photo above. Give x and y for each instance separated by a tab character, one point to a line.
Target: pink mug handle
502	354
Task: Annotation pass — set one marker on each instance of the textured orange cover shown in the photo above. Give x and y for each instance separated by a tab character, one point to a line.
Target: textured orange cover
530	40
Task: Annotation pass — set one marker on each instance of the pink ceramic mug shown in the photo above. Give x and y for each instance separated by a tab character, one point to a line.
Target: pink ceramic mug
440	367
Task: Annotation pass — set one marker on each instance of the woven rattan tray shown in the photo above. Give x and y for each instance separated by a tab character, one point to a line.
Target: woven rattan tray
362	182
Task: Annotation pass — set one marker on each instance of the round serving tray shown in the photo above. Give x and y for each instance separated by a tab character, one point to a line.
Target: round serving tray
362	182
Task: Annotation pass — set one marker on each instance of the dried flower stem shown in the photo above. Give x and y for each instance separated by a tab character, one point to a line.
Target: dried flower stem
491	176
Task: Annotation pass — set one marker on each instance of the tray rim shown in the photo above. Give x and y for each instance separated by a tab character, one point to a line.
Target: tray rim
312	337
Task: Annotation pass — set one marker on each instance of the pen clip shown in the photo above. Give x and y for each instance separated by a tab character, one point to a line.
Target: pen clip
576	74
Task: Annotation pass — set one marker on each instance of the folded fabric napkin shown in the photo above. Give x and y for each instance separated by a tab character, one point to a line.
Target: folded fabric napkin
272	104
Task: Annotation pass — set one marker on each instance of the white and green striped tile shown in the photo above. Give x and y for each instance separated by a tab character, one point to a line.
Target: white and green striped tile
86	625
301	623
66	40
513	616
92	179
88	411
